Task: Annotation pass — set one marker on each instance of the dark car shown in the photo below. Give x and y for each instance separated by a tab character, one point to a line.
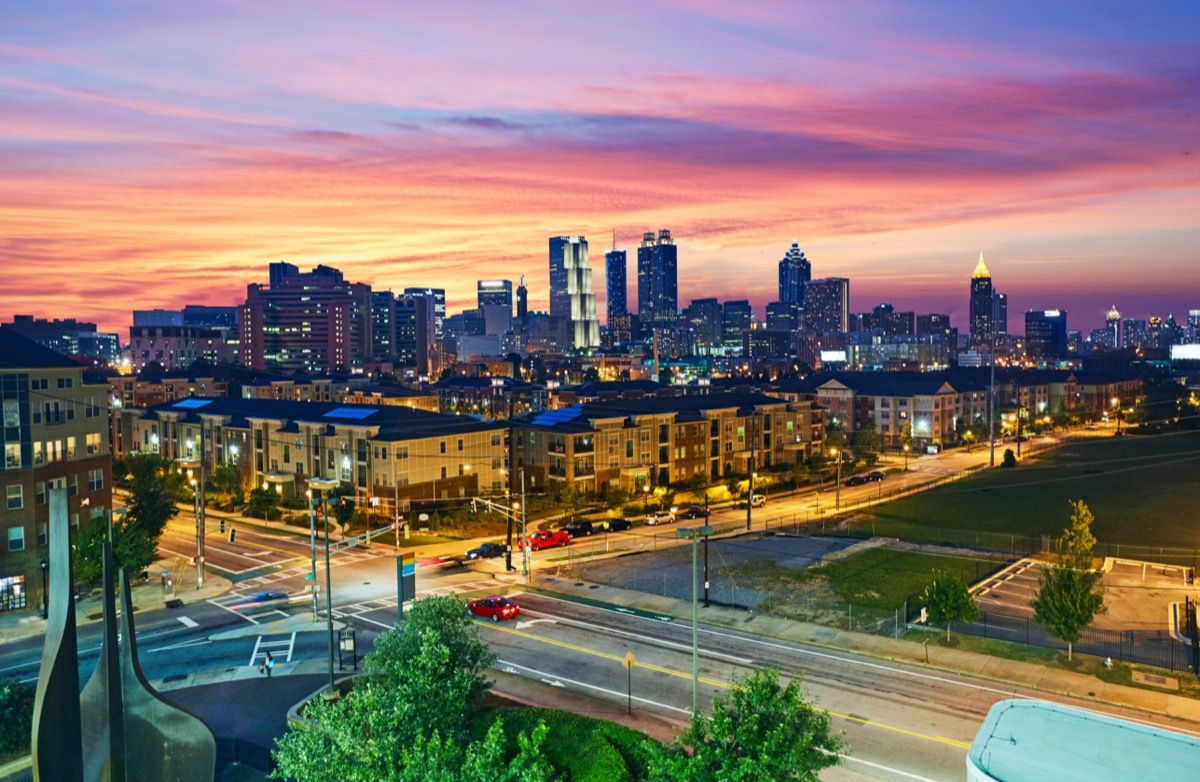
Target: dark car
485	551
263	599
579	528
856	480
616	525
495	608
693	512
876	475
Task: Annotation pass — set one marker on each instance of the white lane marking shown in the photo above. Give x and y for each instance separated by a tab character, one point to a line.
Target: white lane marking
886	768
615	693
181	645
1009	693
235	613
254	654
626	634
532	622
187	622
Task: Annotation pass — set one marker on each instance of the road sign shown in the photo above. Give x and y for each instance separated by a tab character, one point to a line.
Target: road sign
629	661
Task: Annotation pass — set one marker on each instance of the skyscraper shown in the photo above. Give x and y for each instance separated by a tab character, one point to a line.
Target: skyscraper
571	295
983	306
522	299
1112	328
615	285
827	306
704	317
435	314
658	280
794	273
498	292
1046	334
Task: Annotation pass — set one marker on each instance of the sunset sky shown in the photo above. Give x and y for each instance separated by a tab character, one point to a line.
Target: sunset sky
156	154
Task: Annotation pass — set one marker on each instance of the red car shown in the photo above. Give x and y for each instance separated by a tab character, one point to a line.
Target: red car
547	538
495	608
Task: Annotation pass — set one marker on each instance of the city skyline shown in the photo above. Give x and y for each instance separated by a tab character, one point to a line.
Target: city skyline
164	157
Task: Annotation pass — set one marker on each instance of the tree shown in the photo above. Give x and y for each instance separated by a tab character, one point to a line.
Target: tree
1069	596
434	759
419	684
1077	541
760	730
906	434
225	478
16	714
263	504
948	600
968	437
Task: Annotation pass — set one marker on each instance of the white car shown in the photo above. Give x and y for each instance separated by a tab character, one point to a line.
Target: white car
758	500
659	517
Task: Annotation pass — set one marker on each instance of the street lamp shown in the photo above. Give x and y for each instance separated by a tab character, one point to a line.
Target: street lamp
750	498
1116	403
45	591
907	448
645	498
837	453
323	484
695	533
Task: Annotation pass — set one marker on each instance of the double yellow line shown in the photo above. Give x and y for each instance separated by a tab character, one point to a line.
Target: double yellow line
716	683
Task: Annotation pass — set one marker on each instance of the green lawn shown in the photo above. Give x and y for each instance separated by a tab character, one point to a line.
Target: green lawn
1143	490
884	578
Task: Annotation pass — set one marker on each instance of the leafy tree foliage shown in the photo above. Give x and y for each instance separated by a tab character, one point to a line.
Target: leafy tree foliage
1077	541
761	730
906	434
949	600
434	759
420	683
1070	596
16	715
263	504
154	489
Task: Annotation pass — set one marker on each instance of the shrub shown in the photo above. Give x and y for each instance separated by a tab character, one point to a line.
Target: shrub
16	714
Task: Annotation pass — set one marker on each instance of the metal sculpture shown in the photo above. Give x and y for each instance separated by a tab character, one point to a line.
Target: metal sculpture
119	728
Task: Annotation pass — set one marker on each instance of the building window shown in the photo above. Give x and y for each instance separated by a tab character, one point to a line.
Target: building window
93	443
443	472
12	592
71	447
460	444
43	531
16	538
72	485
12	413
66	382
442	446
16	496
95	480
40	492
12	456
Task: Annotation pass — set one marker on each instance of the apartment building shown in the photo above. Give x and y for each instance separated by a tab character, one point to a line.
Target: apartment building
55	435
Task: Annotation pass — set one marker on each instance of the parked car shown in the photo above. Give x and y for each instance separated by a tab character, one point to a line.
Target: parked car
758	500
485	551
579	528
659	517
495	608
693	512
616	525
548	538
856	480
876	475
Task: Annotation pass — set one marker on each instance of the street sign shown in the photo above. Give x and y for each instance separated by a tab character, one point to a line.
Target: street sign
629	661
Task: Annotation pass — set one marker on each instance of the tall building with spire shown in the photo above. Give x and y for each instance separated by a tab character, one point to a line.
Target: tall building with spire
658	280
983	306
1112	328
794	273
522	299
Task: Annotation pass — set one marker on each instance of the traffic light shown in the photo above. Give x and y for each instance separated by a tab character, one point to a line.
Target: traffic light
232	531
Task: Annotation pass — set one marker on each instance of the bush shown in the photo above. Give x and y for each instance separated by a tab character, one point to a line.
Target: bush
1010	459
16	714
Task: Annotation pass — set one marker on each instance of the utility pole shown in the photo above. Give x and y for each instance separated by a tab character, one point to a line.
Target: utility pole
992	406
200	515
512	444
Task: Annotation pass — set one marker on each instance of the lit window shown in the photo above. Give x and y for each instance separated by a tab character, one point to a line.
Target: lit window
16	496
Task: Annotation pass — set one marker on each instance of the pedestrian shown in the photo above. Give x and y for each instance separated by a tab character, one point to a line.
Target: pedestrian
268	664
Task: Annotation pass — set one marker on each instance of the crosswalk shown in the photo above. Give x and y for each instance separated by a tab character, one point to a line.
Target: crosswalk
361	611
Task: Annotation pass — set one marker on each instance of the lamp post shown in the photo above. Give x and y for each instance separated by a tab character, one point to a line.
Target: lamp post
837	454
695	533
907	448
324	484
45	591
1116	403
645	498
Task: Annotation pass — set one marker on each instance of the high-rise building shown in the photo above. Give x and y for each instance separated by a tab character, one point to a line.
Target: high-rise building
157	317
704	318
312	322
1000	313
1046	334
278	272
498	292
827	306
783	316
933	323
658	280
982	306
794	273
736	318
571	295
522	299
69	337
204	316
435	315
412	331
615	285
1112	328
1191	333
383	325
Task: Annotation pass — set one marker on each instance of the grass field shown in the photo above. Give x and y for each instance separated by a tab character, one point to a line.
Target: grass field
1143	490
884	577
